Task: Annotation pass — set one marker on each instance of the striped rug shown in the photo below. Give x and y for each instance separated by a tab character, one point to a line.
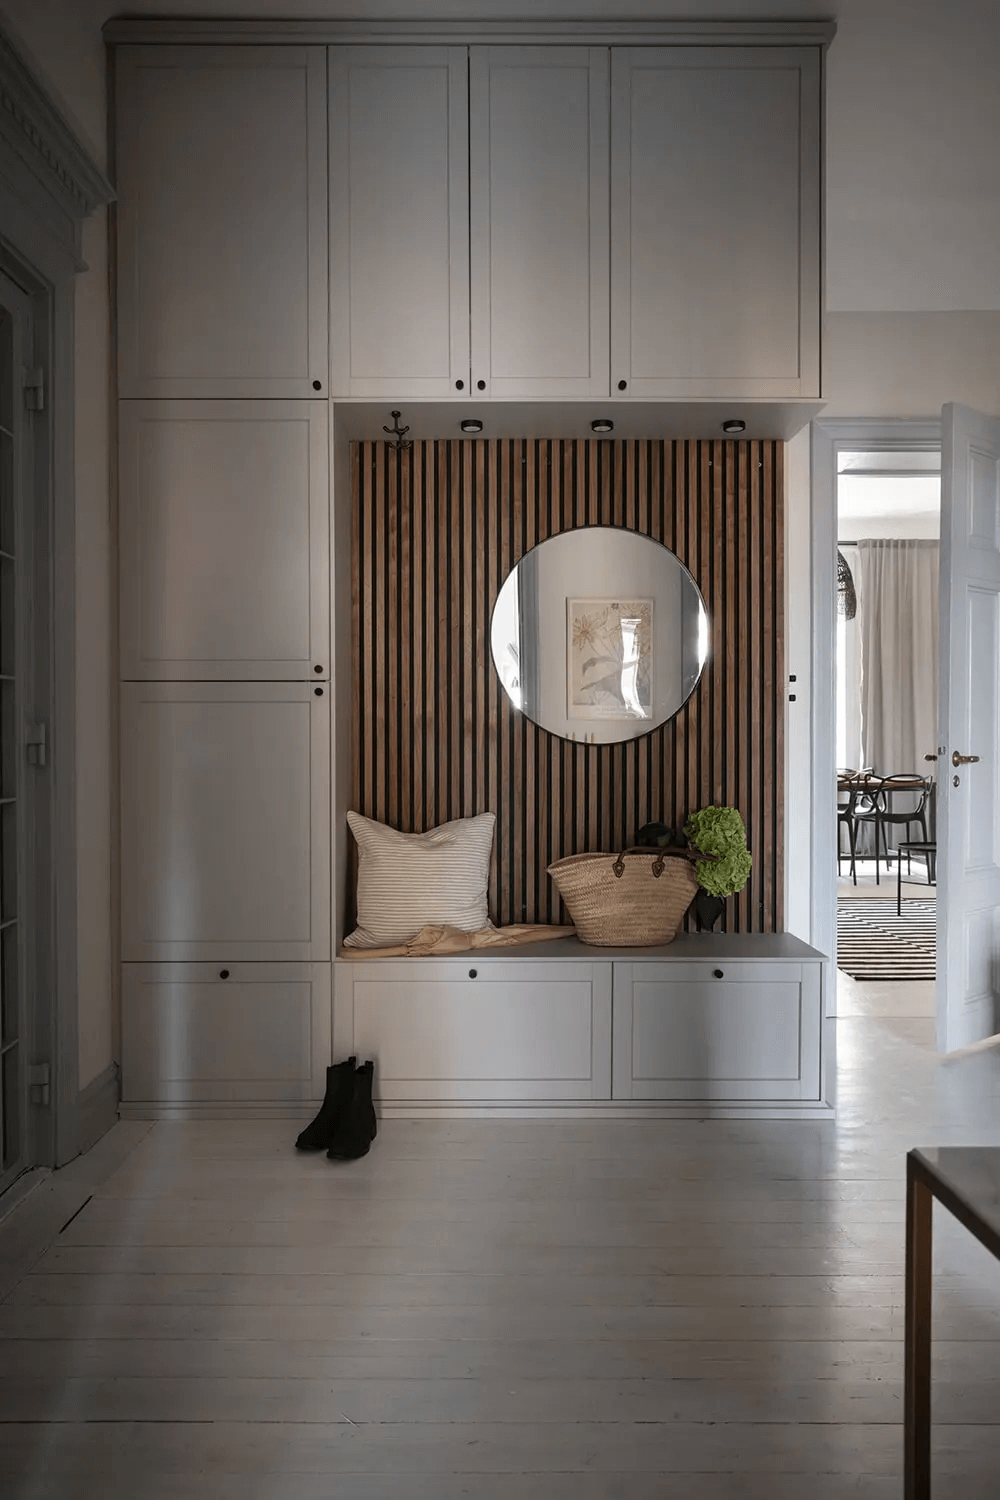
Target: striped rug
873	943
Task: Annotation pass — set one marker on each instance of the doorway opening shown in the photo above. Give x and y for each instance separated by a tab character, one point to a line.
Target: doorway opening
887	654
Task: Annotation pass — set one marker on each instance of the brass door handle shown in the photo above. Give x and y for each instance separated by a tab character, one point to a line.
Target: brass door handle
963	760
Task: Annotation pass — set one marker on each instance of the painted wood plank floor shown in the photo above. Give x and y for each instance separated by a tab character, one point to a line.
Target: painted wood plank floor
541	1311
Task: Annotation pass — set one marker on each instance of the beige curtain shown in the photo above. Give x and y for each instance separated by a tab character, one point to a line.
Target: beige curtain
898	615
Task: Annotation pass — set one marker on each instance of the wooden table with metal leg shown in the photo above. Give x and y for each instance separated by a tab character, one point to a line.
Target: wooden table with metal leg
966	1179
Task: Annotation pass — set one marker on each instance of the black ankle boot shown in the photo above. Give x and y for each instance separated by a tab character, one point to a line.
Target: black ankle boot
358	1126
318	1135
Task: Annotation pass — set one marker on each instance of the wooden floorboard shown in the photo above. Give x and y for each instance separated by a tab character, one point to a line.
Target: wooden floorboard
533	1310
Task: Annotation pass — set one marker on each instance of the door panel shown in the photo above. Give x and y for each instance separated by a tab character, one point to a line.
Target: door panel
399	221
222	221
539	216
225	559
225	821
715	254
17	1146
968	902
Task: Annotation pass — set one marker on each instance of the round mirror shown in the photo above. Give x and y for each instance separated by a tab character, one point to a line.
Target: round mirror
599	634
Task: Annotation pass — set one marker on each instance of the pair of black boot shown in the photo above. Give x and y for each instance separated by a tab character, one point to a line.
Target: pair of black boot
345	1126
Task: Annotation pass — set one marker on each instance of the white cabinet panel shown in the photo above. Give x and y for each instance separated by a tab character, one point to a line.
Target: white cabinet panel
733	1031
539	215
222	221
225	821
715	213
515	1031
201	1033
225	554
399	221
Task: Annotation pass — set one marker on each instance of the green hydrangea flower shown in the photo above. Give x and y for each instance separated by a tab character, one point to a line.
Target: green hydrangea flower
720	831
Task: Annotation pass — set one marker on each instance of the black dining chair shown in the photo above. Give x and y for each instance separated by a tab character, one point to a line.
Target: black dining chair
869	805
915	792
845	819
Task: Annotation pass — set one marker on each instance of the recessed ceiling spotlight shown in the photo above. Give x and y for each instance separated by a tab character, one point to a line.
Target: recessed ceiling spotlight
602	424
734	425
472	424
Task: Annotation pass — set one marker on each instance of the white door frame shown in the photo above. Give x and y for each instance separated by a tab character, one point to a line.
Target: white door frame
828	439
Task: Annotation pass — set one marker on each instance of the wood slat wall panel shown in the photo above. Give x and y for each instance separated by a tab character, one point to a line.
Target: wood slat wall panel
436	530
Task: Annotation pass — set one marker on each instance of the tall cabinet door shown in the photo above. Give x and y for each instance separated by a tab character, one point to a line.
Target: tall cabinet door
225	821
399	221
539	220
225	552
715	213
222	221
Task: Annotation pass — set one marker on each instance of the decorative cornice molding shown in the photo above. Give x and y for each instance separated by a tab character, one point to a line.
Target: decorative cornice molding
33	127
625	33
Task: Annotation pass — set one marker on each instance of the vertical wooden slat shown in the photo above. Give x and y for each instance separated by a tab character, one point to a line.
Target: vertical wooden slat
435	533
418	687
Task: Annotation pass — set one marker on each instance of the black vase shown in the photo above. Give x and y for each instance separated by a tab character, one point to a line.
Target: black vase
707	909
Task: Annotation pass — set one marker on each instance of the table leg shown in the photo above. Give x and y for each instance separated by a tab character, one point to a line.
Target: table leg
899	886
917	1384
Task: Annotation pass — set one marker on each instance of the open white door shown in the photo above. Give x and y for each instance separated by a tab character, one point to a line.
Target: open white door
968	813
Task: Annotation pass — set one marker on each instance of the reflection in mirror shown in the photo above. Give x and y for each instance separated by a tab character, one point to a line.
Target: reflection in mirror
599	634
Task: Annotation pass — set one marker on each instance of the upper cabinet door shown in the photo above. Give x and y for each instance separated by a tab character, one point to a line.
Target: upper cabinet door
399	221
539	216
222	221
715	195
225	554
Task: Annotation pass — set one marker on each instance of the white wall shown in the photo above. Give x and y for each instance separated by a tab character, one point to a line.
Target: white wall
913	214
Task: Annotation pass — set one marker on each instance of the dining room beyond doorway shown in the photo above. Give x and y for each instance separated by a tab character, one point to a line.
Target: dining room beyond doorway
888	627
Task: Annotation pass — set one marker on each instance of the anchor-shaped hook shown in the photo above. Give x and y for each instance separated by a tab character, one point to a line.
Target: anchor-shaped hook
397	432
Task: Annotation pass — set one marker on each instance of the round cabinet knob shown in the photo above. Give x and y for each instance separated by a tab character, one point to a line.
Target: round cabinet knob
317	669
318	692
480	385
223	973
460	385
717	973
623	385
317	385
473	973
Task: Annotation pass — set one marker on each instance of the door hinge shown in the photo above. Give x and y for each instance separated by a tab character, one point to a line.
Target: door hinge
37	745
33	384
39	1083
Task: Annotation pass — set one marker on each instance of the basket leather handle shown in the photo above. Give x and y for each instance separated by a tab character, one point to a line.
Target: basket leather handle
619	865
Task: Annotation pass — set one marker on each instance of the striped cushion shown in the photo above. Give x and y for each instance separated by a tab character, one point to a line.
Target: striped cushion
407	880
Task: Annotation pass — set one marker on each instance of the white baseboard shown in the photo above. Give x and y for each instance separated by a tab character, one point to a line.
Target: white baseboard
640	1109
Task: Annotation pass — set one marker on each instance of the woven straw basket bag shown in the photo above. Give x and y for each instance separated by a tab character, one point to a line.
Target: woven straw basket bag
627	900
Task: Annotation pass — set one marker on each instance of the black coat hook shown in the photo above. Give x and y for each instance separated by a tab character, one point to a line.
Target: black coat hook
397	432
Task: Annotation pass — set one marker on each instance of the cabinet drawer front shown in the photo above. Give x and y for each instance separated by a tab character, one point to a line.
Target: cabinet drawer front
188	1035
484	1038
225	822
225	559
222	221
683	1034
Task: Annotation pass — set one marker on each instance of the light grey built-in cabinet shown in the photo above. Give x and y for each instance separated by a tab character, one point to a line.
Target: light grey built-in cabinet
715	222
399	221
718	1029
635	221
224	540
222	221
538	195
456	1030
230	1034
225	821
708	1025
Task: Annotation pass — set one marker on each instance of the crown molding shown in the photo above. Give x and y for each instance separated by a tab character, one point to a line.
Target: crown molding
33	128
189	30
